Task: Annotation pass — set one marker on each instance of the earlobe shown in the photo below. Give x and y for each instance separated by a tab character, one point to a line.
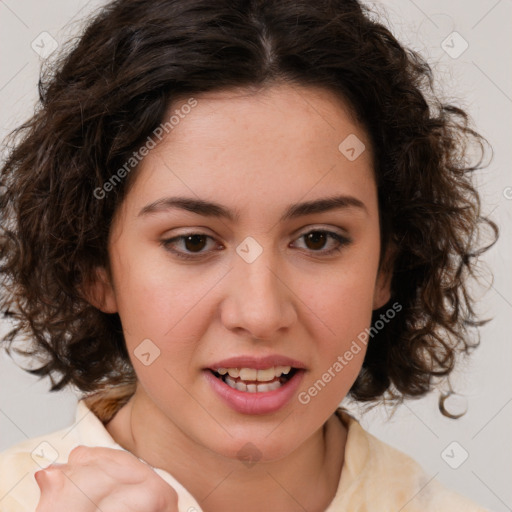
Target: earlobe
99	292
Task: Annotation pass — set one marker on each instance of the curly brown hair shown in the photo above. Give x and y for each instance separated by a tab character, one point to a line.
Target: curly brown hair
110	90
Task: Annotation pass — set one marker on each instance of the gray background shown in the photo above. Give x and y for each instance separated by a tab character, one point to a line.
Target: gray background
479	80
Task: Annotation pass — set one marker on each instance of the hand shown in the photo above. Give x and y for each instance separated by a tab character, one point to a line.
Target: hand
103	479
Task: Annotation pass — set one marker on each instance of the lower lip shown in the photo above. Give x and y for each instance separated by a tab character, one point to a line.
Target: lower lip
255	403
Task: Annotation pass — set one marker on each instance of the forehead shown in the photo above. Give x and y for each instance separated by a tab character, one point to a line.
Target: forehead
251	116
265	147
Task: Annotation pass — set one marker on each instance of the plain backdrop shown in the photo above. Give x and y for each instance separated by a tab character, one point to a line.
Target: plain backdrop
468	44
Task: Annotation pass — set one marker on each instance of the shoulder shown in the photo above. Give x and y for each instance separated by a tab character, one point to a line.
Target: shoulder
379	476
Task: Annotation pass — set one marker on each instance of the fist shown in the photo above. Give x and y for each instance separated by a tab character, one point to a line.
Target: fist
103	479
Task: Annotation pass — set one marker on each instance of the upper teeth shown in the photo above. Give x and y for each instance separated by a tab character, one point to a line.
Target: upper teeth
252	374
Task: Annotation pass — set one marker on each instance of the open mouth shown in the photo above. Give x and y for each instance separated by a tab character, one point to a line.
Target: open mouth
250	380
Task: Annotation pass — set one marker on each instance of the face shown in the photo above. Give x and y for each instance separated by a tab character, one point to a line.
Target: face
252	282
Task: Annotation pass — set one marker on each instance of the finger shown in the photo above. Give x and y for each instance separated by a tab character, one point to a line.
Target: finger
65	487
51	484
154	495
49	478
125	475
86	454
119	465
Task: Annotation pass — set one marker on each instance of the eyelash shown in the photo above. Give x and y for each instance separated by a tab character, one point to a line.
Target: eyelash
342	241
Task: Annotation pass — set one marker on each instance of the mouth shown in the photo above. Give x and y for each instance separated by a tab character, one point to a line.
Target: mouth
251	385
251	380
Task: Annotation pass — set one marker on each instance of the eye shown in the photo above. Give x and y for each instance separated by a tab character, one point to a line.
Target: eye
193	242
316	240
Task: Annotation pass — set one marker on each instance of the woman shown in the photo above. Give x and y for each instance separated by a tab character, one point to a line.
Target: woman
225	218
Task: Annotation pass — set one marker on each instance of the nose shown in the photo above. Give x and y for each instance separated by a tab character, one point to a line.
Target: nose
259	301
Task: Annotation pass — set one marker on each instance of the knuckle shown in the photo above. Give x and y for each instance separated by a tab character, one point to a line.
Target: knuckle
80	454
161	496
51	478
169	496
164	501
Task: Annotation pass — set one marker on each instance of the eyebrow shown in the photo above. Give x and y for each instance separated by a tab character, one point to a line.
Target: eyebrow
211	209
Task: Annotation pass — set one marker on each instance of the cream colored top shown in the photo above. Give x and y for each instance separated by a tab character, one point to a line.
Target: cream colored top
375	477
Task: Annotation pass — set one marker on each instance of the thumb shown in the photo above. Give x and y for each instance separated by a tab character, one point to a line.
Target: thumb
50	482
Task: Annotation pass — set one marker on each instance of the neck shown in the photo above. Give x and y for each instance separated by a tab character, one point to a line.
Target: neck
305	479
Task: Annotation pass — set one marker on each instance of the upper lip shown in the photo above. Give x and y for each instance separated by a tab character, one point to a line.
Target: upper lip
258	363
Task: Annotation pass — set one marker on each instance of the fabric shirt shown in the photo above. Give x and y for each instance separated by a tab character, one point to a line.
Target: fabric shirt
375	476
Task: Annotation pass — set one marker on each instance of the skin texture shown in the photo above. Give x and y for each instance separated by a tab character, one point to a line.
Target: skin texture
255	153
103	479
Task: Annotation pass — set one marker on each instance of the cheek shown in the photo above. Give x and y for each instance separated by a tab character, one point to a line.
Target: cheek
342	310
156	298
171	307
342	302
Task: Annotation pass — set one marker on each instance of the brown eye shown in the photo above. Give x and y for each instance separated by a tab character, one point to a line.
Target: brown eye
188	246
316	240
194	243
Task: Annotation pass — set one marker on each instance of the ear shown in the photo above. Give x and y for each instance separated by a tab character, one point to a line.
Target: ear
382	291
99	292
